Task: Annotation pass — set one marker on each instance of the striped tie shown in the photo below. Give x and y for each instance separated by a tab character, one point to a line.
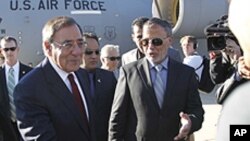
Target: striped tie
11	85
159	86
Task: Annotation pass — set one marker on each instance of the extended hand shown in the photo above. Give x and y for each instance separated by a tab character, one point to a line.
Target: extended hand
185	128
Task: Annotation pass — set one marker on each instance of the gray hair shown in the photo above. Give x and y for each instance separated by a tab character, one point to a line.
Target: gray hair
165	24
55	24
109	47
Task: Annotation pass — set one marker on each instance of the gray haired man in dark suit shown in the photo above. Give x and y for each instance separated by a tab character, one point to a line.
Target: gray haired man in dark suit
137	53
156	97
53	101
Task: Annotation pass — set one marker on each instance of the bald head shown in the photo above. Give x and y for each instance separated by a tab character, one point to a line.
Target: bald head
239	23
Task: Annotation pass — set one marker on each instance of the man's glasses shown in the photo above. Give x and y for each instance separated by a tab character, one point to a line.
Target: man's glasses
70	44
10	48
113	58
154	41
90	52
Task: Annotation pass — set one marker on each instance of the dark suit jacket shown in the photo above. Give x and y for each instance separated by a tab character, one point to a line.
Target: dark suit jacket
105	83
135	105
5	121
221	69
227	87
46	109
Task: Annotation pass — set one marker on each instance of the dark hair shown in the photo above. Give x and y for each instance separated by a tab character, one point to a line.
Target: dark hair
139	22
90	35
8	39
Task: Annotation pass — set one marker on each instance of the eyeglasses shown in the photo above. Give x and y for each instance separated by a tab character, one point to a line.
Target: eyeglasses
90	52
70	43
113	58
10	48
154	41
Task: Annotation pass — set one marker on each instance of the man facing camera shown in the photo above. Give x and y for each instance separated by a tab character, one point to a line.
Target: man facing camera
53	101
149	103
11	72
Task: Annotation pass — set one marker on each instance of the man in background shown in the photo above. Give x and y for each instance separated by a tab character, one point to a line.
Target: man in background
137	53
102	85
192	58
110	58
11	72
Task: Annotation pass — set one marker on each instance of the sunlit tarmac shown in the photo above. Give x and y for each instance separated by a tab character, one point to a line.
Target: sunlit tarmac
212	111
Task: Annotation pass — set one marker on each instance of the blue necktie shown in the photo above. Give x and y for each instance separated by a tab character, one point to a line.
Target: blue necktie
159	86
11	85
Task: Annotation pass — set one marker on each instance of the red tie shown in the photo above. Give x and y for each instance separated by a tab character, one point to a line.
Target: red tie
78	99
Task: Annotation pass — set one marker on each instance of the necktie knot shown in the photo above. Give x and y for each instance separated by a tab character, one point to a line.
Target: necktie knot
11	70
158	68
71	77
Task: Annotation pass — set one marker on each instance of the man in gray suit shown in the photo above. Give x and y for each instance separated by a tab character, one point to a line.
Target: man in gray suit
137	53
52	101
156	97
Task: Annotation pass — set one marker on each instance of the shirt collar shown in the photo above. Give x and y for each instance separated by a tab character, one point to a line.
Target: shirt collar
61	73
164	64
15	67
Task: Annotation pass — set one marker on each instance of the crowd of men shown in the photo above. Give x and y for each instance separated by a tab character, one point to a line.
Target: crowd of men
152	96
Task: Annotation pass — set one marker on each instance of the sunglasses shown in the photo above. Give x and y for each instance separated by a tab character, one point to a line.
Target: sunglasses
11	49
89	52
114	58
154	41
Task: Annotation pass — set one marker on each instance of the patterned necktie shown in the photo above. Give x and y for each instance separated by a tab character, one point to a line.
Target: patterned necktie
11	85
159	86
78	99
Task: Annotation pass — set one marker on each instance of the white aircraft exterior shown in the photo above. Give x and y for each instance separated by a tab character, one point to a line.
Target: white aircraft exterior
109	19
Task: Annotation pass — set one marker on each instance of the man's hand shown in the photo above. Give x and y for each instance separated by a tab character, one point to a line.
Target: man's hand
232	50
185	128
243	70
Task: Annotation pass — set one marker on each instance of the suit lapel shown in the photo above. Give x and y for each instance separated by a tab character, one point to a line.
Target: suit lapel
98	87
3	78
171	82
22	71
4	86
59	89
5	95
83	80
144	72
